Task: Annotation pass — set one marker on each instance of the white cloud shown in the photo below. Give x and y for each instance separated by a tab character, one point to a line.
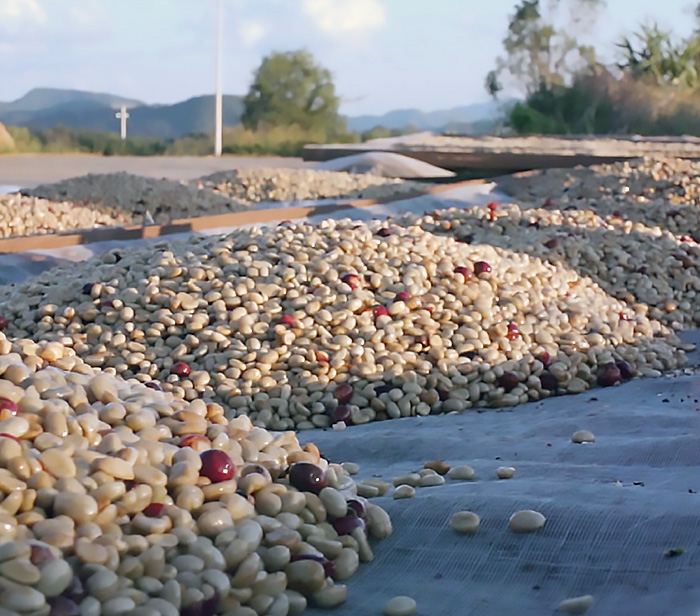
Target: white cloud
251	32
15	14
79	16
342	16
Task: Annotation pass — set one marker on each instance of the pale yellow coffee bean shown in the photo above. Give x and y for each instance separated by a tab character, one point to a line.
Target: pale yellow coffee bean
576	605
20	570
118	468
305	576
465	522
90	552
334	502
431	480
378	521
331	596
412	479
58	463
526	521
404	491
367	491
505	472
583	436
79	507
464	473
346	564
400	606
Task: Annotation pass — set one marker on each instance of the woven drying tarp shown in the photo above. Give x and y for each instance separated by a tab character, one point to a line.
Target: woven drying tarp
613	507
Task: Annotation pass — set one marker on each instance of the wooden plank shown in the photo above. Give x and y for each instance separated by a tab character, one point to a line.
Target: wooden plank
482	160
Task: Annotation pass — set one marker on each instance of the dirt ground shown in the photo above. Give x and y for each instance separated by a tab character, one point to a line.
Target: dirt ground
28	170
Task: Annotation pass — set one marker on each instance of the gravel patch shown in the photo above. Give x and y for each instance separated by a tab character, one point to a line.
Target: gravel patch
140	197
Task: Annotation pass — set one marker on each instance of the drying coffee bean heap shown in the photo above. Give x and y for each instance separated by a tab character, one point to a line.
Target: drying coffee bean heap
119	499
256	185
22	215
655	192
651	269
301	326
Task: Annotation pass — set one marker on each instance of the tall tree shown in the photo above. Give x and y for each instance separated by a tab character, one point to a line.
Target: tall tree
537	52
652	54
291	88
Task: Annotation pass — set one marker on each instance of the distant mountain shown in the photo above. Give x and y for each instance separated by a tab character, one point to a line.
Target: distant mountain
45	98
433	120
44	108
97	112
195	115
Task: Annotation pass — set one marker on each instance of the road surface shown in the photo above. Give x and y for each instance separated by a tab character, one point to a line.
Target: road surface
28	170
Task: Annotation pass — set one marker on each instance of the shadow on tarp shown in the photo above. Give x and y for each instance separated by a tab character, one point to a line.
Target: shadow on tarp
16	268
30	260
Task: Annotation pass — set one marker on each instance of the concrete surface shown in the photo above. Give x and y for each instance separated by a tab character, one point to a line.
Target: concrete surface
28	170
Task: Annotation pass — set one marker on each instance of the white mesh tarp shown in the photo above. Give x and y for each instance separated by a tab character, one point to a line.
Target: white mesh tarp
601	538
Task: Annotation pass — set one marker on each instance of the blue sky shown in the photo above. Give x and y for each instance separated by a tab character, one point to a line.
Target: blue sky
384	54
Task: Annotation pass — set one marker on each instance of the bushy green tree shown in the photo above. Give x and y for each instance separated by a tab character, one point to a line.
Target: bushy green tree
581	108
25	140
292	89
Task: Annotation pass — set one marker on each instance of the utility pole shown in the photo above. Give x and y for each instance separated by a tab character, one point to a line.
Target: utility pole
122	115
218	137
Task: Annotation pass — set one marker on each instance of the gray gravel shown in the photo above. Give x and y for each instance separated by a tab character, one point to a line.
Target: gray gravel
163	199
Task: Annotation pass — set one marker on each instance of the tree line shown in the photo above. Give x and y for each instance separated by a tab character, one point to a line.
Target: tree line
651	89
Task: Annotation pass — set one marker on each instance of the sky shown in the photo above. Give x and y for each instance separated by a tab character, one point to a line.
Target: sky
384	54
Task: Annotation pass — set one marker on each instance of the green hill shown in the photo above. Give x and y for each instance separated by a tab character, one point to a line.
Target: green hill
44	108
40	99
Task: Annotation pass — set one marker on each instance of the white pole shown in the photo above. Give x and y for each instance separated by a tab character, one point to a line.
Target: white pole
218	138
